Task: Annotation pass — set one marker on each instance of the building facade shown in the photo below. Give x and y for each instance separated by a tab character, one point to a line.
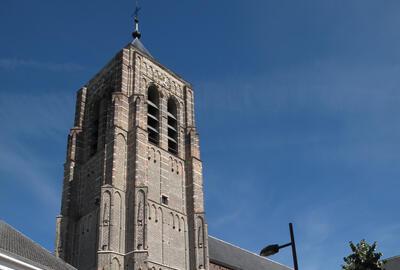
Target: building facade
133	188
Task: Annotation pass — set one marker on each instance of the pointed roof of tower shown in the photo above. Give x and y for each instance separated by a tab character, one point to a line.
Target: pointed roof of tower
136	34
140	47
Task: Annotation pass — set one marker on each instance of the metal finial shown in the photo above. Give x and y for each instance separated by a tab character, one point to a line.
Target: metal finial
136	33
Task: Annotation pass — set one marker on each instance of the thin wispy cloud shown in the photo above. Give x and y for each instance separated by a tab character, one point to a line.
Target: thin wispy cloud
227	218
12	64
25	168
33	122
331	86
357	101
41	115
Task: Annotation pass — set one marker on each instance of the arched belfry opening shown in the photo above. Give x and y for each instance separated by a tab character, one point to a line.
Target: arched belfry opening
153	114
172	126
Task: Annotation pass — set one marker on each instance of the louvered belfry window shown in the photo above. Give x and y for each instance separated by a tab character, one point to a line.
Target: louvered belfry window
153	114
172	126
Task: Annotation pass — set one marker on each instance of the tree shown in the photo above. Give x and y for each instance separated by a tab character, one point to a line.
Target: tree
364	257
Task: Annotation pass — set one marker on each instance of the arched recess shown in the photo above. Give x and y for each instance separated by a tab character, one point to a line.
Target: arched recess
151	72
200	242
172	220
172	109
153	114
178	223
117	222
120	161
106	214
162	228
115	265
140	220
183	224
154	209
200	232
129	224
138	110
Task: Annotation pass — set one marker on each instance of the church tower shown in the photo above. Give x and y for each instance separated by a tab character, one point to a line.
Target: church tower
133	189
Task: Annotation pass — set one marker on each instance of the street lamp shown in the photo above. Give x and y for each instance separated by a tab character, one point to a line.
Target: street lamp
273	249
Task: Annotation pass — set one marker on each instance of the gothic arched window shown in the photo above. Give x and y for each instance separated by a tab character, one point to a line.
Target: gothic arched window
172	126
153	113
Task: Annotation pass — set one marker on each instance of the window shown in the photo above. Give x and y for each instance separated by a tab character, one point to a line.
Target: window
153	115
172	126
164	199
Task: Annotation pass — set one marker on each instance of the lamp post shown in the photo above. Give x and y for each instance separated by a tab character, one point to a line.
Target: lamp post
273	249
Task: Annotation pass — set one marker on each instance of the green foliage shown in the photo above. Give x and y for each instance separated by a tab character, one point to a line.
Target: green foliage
364	257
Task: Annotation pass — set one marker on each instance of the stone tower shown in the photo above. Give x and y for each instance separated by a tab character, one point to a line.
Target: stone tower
132	191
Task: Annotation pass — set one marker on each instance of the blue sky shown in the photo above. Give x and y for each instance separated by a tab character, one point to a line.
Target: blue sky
298	107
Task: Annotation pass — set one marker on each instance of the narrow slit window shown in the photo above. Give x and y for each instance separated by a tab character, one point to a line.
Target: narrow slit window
172	126
153	114
164	199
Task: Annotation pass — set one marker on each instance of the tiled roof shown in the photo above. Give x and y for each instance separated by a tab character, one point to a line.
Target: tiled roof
235	258
392	263
16	245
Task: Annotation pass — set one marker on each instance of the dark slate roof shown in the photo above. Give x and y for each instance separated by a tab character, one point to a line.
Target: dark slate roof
16	245
140	47
393	263
233	257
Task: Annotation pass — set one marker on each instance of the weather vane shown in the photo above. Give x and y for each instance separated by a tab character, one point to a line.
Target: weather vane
137	9
136	33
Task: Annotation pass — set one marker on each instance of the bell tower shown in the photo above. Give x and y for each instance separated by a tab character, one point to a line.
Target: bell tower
133	189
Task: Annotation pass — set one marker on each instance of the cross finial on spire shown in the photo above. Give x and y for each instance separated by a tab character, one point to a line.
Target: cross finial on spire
136	33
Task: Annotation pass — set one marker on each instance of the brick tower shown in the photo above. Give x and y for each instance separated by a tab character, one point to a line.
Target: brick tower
132	191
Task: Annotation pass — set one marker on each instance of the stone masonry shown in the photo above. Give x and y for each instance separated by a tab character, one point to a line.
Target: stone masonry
129	203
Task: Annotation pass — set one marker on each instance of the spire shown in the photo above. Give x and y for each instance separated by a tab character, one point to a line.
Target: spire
136	43
136	33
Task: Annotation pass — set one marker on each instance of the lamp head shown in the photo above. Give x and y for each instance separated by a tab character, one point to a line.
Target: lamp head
269	250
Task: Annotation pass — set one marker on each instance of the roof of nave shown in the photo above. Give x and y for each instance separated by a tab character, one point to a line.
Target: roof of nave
236	258
392	263
18	246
